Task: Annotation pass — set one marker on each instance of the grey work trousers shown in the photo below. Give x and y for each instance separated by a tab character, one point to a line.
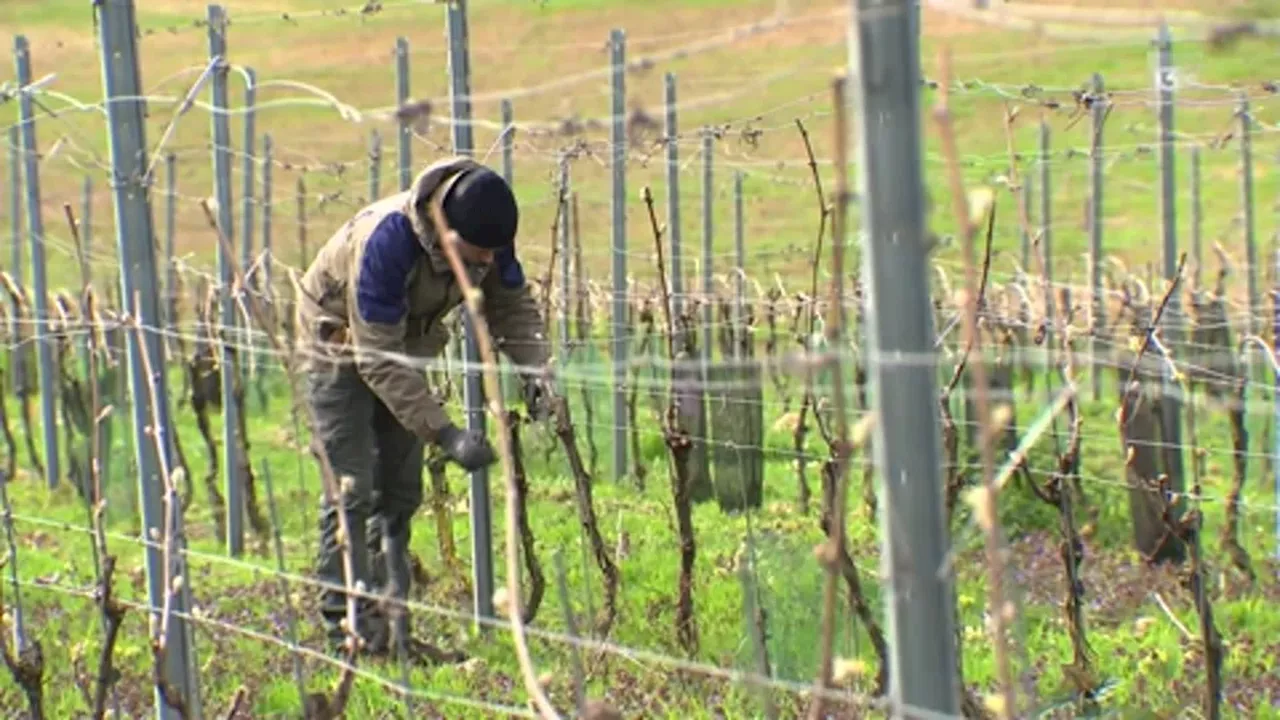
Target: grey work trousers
378	464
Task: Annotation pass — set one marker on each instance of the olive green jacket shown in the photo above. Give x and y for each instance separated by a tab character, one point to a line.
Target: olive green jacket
379	288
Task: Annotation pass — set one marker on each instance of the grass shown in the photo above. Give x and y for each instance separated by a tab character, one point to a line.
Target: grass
242	628
753	88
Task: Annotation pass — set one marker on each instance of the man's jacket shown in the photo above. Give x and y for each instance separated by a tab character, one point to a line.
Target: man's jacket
379	288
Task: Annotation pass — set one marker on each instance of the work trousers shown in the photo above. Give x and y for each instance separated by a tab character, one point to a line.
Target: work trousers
378	464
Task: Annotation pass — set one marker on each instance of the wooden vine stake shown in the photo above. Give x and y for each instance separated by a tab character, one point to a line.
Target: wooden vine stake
20	320
564	430
832	553
318	706
493	393
1002	612
170	539
104	562
679	445
537	580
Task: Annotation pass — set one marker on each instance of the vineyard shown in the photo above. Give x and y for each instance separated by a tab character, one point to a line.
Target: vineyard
853	418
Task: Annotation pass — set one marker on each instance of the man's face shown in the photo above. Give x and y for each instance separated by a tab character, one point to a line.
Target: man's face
474	254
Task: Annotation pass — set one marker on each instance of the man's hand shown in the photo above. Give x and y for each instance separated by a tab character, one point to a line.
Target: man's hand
537	398
470	449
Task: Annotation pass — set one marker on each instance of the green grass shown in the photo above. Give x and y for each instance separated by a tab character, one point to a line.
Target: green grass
1138	648
763	85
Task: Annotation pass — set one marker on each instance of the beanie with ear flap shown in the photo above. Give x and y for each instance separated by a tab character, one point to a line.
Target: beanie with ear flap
480	206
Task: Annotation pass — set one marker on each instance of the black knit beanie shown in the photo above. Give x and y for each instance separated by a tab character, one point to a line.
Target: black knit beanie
482	209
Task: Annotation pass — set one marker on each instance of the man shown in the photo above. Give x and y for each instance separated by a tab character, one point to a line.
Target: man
370	310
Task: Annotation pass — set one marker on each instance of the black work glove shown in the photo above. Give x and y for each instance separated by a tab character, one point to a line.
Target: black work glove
537	399
470	449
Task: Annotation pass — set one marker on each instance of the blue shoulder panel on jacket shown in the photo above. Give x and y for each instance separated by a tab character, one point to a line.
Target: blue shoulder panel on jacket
382	278
510	273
